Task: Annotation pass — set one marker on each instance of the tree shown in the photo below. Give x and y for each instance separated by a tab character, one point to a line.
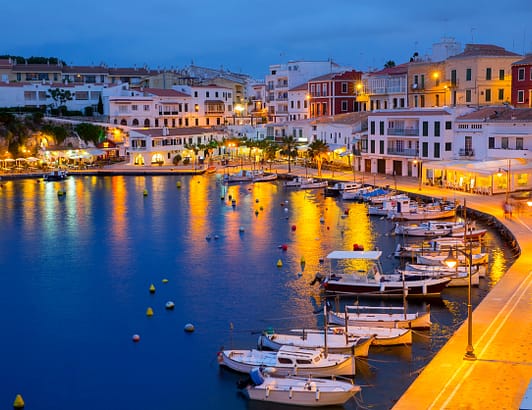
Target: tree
60	97
389	64
89	132
99	108
317	152
288	149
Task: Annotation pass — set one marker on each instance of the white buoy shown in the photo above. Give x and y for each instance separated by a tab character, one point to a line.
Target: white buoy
189	327
136	338
169	305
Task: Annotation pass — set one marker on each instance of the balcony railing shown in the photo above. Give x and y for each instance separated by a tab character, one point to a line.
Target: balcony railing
466	152
407	132
405	152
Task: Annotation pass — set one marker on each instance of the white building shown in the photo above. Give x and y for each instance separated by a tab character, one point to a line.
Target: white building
283	77
159	146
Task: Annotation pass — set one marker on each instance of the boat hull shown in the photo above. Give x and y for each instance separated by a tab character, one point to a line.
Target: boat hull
302	392
392	320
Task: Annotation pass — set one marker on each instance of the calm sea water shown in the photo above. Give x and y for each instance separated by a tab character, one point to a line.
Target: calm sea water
76	272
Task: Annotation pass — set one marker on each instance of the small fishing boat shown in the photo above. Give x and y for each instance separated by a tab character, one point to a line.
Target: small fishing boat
458	278
290	360
444	268
370	281
299	391
297	182
55	175
392	204
439	260
210	170
340	187
264	177
374	316
429	229
336	343
314	184
242	176
425	213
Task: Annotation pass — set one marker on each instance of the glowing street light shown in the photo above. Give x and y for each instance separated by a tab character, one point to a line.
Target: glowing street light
451	261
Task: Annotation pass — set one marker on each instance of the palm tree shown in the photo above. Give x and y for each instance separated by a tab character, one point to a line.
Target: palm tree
317	152
289	149
269	150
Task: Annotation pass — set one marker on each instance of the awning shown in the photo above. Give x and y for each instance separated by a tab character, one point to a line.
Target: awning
95	151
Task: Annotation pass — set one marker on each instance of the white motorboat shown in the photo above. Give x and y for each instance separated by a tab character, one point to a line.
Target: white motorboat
429	228
56	175
336	342
242	176
340	187
383	336
458	278
425	213
368	279
392	204
290	360
299	391
437	246
439	260
374	316
297	182
314	184
263	177
444	268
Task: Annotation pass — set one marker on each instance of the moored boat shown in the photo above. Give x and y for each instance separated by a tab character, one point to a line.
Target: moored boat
55	175
314	184
425	213
370	281
439	260
264	177
336	342
340	187
290	360
297	182
299	391
374	316
458	278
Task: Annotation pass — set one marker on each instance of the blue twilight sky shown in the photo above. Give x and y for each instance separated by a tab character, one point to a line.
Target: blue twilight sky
248	35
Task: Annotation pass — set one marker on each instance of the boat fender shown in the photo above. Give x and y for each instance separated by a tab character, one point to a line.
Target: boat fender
256	376
268	392
317	395
290	392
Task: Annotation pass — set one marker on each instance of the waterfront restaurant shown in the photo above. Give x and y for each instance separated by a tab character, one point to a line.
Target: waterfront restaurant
481	177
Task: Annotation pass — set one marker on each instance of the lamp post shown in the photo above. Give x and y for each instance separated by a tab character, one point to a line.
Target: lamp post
508	180
419	172
451	261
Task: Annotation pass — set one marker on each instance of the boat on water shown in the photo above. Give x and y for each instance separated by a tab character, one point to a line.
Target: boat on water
347	343
264	177
210	170
297	182
364	194
294	390
379	316
444	268
458	278
314	184
340	187
242	176
290	360
392	204
430	229
55	175
369	280
425	213
439	260
435	247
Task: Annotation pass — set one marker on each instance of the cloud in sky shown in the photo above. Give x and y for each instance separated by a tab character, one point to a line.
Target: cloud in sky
249	36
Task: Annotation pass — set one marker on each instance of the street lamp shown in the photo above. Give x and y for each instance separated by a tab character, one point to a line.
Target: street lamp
451	261
508	180
419	164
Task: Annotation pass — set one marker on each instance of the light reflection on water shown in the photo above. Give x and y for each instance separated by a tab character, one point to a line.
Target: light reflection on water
78	269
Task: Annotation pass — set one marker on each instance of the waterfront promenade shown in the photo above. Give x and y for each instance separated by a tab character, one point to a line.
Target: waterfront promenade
502	322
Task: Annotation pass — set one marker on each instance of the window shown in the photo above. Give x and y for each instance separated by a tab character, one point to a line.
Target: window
422	80
521	74
42	95
501	94
437	100
468	96
372	147
381	147
448	146
448	125
82	95
501	74
30	95
425	128
146	107
344	105
381	128
453	77
422	100
487	95
372	128
504	142
468	74
134	107
436	128
416	80
415	101
491	142
520	96
344	88
488	73
519	143
436	150
425	149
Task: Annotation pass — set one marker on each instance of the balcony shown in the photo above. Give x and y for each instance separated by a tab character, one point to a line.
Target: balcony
507	153
462	152
404	132
405	152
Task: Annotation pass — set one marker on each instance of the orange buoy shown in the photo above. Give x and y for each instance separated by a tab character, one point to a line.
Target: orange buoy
136	338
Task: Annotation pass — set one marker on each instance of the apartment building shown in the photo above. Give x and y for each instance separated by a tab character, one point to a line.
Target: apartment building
384	89
522	82
283	77
298	102
334	93
480	75
427	86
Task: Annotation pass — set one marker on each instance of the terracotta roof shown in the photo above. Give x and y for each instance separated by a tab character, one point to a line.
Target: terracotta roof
502	113
164	92
85	69
525	61
158	132
347	75
5	63
130	71
348	118
300	87
397	70
37	68
484	50
409	113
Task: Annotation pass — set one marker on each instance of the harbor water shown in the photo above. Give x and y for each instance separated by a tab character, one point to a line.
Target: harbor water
77	269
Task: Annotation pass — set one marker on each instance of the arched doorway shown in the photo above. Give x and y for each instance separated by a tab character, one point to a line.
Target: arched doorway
135	122
123	122
139	159
146	122
157	159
